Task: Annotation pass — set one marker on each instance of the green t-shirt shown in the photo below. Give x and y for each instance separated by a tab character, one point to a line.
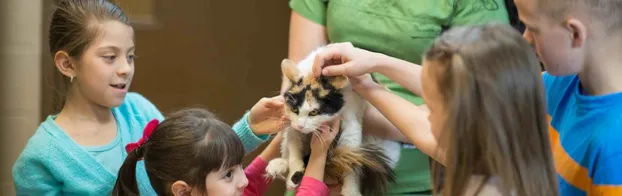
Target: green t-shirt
402	29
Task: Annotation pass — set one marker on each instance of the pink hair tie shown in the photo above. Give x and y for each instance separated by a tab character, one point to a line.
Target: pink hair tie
146	135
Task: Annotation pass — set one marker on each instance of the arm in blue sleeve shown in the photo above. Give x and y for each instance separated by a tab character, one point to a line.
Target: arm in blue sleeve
249	139
31	177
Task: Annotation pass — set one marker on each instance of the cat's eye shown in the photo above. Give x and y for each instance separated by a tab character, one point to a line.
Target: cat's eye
295	110
314	112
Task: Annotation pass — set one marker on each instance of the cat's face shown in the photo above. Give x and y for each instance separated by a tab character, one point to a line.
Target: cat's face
310	101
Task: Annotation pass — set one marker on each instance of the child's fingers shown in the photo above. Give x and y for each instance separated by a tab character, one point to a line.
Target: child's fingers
334	129
336	124
343	69
273	102
324	129
321	58
332	52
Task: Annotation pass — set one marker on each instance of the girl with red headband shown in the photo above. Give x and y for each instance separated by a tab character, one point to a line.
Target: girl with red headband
194	153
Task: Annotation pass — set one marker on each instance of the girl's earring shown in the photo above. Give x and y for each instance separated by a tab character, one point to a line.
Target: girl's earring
71	80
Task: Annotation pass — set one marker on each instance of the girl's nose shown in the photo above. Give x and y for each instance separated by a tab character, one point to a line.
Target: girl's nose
242	184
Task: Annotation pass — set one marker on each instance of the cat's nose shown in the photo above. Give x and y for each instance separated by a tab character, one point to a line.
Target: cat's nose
298	127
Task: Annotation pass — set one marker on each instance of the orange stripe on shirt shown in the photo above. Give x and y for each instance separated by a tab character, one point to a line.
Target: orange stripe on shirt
565	166
605	190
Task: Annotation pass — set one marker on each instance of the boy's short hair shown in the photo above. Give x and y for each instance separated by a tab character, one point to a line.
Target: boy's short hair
609	12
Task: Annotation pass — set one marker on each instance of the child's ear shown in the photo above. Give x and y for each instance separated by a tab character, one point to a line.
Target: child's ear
65	64
289	69
339	82
180	188
577	32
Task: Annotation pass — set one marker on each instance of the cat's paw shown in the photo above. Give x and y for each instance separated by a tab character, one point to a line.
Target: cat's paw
350	191
277	168
294	178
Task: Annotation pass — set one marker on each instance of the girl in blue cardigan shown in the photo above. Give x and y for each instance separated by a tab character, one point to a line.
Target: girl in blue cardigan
79	150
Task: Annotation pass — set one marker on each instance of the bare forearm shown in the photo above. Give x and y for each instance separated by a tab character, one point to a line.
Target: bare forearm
400	71
374	123
408	118
272	151
316	165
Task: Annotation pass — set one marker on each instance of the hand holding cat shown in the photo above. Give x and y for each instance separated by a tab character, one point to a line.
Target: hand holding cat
321	141
266	116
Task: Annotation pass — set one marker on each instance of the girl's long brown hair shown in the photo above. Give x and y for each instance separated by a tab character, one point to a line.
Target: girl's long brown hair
496	126
187	146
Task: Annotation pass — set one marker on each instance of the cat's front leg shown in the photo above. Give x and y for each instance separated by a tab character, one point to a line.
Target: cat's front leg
295	159
352	138
351	186
278	167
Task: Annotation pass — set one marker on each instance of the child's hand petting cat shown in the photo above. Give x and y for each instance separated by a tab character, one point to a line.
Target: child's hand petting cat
344	59
321	141
266	116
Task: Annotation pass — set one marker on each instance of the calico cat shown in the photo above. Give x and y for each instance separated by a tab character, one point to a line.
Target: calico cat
363	164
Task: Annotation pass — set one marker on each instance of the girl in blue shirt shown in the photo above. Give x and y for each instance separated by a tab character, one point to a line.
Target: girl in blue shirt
80	150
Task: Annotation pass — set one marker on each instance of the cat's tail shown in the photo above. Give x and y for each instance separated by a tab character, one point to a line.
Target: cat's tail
369	160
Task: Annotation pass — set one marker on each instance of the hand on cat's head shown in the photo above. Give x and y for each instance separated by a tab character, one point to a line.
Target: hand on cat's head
344	59
324	136
266	116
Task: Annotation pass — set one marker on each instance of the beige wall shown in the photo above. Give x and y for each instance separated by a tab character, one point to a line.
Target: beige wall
20	93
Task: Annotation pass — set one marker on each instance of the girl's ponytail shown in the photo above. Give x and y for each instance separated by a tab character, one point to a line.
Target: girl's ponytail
126	179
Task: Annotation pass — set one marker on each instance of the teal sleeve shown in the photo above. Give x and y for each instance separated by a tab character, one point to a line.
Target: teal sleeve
249	139
474	12
313	10
144	107
31	177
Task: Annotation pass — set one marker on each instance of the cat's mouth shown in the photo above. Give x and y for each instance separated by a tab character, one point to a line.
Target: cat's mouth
303	129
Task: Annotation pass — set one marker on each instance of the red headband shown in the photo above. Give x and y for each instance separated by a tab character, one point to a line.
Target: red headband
146	135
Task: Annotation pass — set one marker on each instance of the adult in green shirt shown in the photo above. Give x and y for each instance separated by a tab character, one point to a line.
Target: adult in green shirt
399	28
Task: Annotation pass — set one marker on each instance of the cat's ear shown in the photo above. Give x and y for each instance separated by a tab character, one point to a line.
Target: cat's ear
339	82
289	69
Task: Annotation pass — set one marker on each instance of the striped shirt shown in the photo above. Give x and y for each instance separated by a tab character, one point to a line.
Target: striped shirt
586	137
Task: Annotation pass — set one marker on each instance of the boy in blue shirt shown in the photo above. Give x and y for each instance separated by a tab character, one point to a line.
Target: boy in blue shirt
579	42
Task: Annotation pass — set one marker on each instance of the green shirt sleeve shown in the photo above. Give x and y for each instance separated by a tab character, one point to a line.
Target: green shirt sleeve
314	10
474	12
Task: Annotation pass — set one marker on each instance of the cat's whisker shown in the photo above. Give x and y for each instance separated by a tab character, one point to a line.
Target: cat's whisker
315	127
289	96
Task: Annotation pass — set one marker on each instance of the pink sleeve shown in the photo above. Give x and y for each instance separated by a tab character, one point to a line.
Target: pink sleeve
312	187
257	183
